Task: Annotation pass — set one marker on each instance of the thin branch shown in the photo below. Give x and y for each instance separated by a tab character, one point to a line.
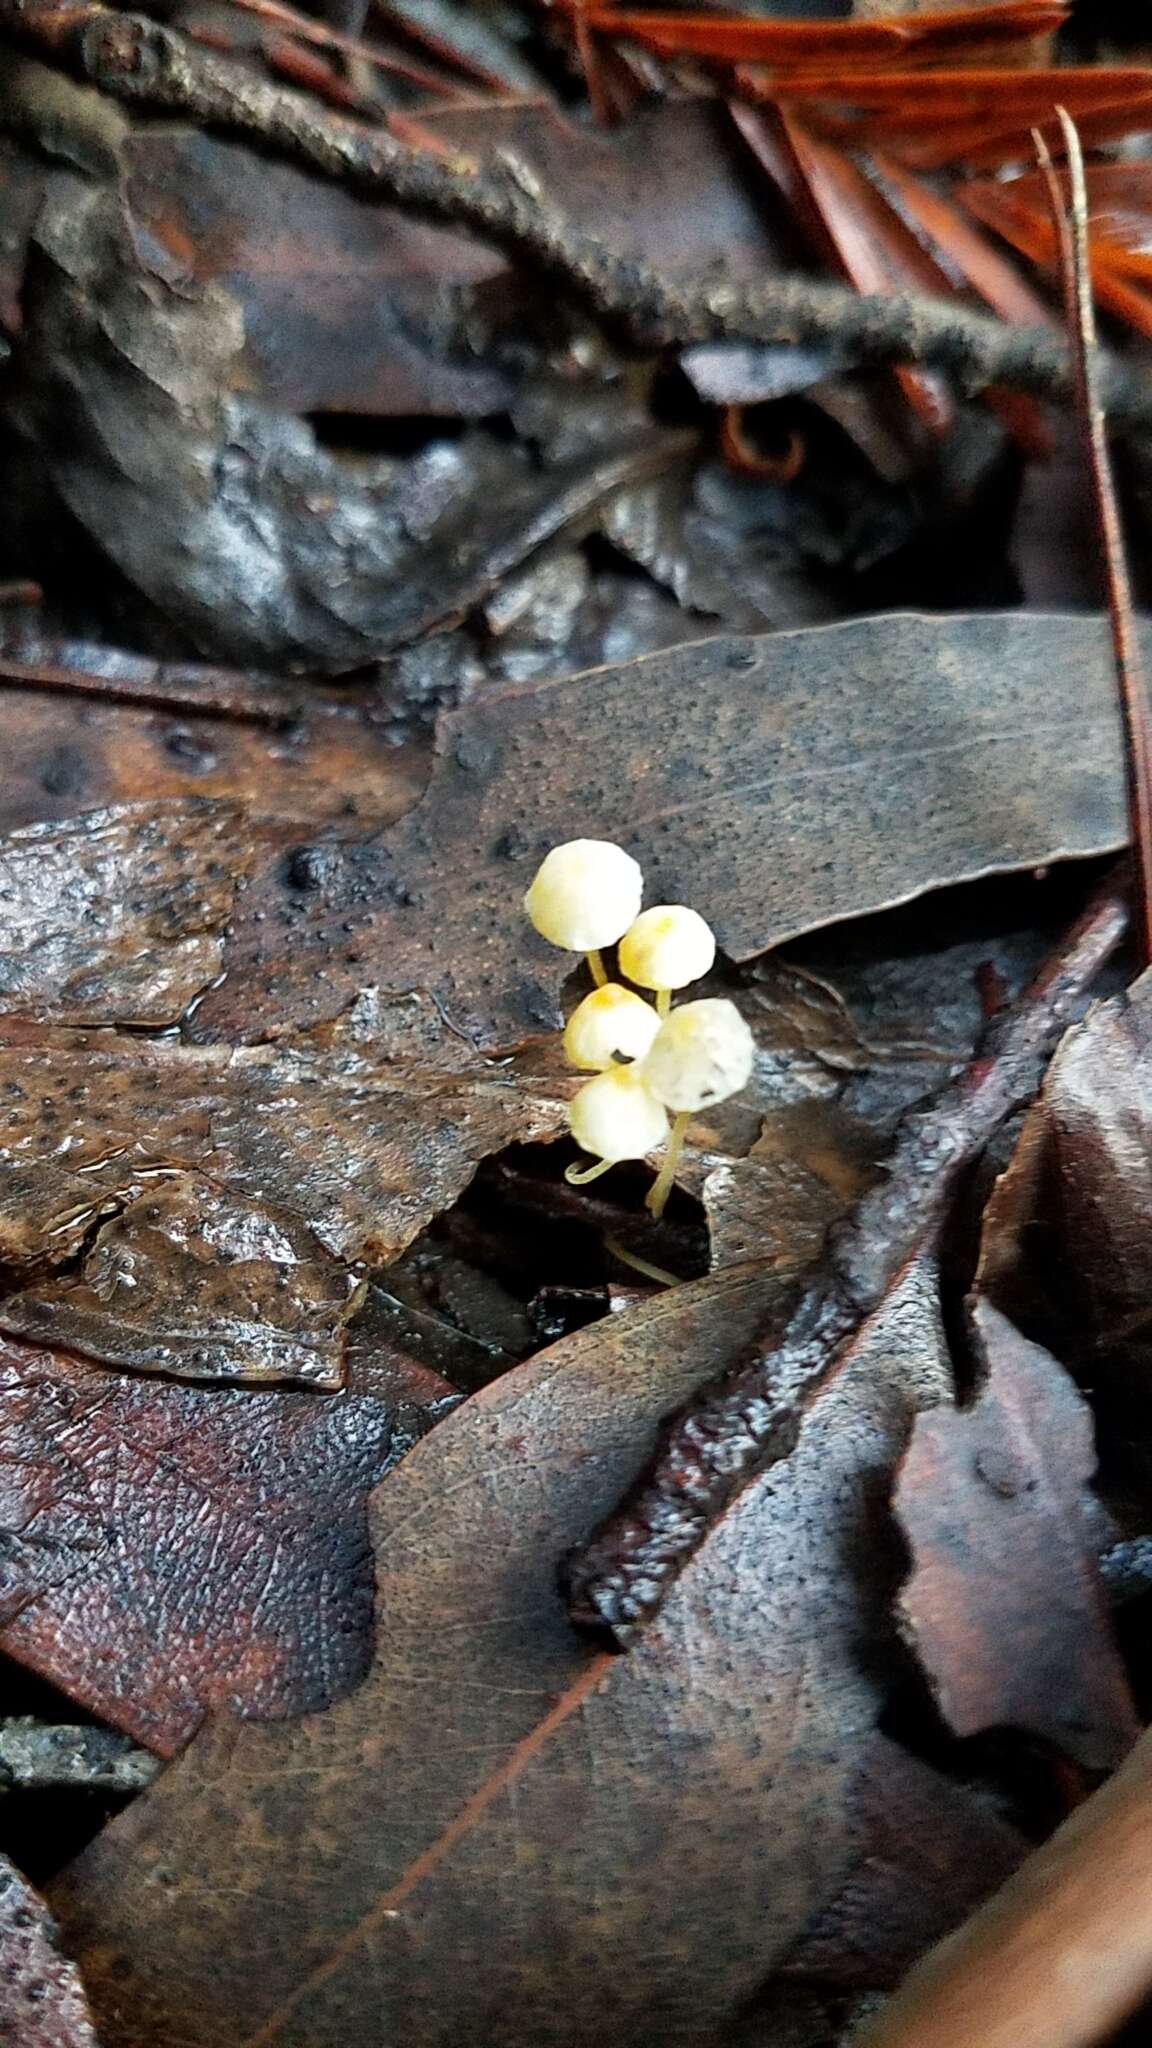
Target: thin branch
1075	263
1061	1955
737	1426
155	68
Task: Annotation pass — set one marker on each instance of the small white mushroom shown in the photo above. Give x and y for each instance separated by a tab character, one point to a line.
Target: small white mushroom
702	1054
611	1023
615	1117
584	896
667	947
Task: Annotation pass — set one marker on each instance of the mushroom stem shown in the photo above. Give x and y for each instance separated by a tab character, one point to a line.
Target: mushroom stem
579	1176
633	1259
596	968
661	1188
663	1001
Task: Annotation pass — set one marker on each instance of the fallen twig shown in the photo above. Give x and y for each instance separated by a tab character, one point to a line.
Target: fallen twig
154	67
734	1428
1061	1955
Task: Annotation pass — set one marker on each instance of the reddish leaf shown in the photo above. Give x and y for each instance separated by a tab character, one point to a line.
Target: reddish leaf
871	247
42	2002
927	1852
169	1550
477	1844
787	781
1004	1603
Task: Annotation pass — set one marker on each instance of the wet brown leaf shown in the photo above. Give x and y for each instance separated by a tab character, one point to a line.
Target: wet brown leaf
236	1188
477	1844
1004	1602
927	1852
780	784
354	307
117	916
168	1550
1066	1233
230	519
88	726
42	2002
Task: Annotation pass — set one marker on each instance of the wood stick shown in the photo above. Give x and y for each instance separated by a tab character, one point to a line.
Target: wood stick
1061	1955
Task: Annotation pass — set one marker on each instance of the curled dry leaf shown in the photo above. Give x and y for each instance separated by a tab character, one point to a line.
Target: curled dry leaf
169	1550
238	1192
117	917
1004	1603
208	502
788	781
722	1748
42	2002
852	1030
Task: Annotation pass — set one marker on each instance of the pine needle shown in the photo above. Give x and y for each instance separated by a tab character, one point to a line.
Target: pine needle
1071	223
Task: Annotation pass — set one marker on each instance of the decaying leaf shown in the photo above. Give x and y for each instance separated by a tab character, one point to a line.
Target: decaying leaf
88	726
721	1748
1067	1231
210	502
350	306
852	1029
776	783
233	1195
118	916
168	1550
927	1852
42	2002
1004	1603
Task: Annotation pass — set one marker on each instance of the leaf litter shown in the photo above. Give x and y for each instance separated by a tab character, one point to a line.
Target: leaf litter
301	475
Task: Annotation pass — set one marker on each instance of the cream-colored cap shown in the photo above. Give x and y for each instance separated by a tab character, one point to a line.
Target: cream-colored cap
667	947
585	895
617	1117
702	1053
612	1022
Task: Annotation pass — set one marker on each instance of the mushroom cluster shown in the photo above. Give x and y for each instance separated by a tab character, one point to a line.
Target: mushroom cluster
654	1066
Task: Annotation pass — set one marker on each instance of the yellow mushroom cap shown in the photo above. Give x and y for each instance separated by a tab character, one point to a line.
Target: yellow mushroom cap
617	1117
611	1021
702	1053
667	947
585	895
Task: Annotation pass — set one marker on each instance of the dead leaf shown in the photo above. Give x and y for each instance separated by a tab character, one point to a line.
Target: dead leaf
1004	1603
244	533
928	1851
737	548
490	1741
42	2002
89	726
852	1028
354	307
786	782
169	1550
233	1195
1066	1233
117	916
